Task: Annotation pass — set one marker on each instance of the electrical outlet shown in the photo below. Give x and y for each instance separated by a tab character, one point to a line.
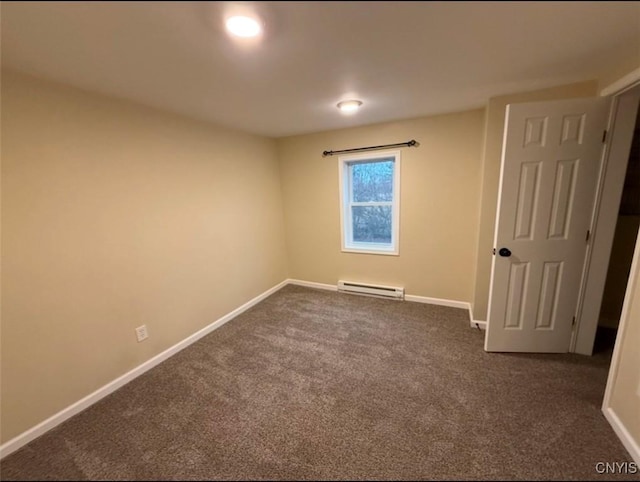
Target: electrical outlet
142	333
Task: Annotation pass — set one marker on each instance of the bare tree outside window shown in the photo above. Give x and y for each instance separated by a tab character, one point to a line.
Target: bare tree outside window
370	202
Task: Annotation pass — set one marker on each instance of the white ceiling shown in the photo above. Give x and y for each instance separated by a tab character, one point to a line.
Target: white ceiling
403	59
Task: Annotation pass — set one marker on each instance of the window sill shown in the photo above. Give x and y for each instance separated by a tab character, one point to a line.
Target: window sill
385	252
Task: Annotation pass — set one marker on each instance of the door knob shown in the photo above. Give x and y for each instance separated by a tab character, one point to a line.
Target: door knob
504	252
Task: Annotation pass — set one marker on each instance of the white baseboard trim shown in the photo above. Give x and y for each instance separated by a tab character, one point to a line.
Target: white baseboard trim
56	419
452	303
623	434
312	284
414	298
417	299
438	301
477	324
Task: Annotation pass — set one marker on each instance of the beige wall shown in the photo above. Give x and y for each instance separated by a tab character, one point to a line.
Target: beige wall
115	215
491	159
440	189
625	381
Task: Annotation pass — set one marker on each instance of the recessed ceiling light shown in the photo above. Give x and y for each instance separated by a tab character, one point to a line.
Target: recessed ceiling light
349	106
243	26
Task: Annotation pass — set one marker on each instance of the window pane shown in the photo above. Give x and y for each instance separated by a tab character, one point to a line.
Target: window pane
372	181
371	224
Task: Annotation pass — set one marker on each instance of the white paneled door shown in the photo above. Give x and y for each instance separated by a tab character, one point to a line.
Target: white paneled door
551	159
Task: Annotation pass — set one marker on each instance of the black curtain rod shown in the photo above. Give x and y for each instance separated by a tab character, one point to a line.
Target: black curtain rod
411	143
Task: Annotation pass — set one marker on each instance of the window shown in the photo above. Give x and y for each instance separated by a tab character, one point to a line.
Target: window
370	202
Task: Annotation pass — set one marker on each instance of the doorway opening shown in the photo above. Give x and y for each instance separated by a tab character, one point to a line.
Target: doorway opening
626	231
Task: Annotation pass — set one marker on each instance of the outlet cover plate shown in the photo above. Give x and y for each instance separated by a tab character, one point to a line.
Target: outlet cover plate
142	333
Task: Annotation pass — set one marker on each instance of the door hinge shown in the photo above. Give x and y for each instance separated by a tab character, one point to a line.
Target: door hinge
573	322
604	136
588	236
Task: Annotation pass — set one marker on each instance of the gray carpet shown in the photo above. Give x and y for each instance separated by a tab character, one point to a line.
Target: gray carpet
312	384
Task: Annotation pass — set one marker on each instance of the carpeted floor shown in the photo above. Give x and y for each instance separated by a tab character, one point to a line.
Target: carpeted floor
312	384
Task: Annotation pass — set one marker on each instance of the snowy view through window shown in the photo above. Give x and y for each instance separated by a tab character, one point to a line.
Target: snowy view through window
372	197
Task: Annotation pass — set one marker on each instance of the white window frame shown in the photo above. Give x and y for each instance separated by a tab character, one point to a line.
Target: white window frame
346	229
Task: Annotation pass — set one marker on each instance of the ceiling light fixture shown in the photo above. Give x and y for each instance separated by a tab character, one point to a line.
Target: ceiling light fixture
349	106
243	26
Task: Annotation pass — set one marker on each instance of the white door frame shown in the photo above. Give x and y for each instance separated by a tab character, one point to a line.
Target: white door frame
620	133
625	437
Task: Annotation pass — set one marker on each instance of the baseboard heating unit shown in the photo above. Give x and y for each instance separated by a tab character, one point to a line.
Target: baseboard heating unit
352	287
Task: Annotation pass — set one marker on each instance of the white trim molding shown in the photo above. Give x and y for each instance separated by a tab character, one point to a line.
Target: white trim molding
345	177
622	84
622	327
618	426
84	403
609	189
438	301
478	324
312	284
464	305
623	434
